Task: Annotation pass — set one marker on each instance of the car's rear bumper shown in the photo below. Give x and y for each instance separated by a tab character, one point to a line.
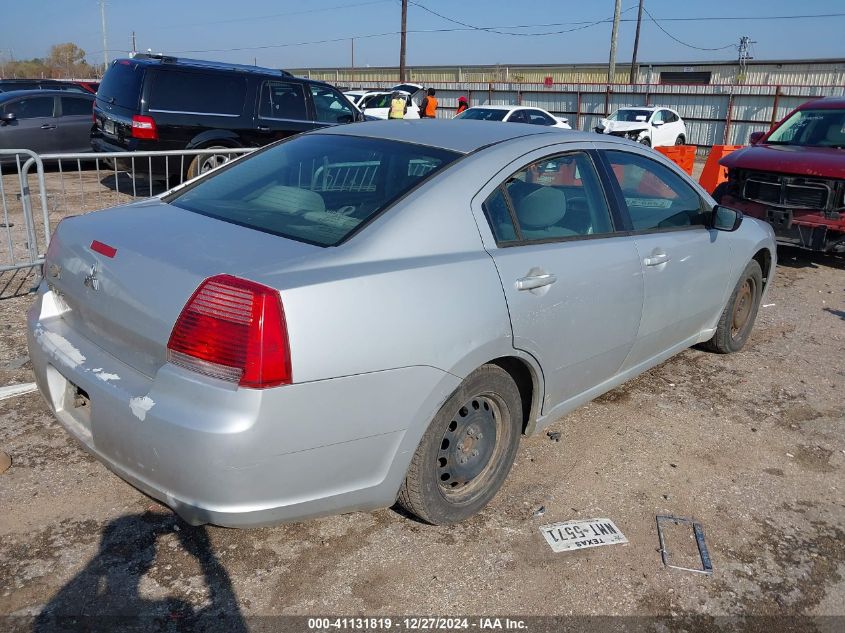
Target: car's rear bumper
236	457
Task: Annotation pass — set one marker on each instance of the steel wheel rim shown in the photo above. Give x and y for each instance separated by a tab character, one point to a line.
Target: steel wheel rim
469	446
742	307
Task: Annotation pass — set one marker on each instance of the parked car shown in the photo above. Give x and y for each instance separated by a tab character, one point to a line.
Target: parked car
45	121
358	96
154	102
793	176
652	126
8	85
379	311
377	105
514	114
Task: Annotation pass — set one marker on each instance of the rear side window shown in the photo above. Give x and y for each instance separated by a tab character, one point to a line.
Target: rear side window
282	100
315	188
121	85
31	108
657	198
72	106
198	93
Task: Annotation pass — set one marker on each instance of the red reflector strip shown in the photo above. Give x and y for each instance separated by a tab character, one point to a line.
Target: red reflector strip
103	249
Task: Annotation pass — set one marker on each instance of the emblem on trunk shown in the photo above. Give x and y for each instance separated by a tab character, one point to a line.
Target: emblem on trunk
91	281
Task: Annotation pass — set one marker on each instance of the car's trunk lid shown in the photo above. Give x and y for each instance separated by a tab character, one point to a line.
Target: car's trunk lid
127	303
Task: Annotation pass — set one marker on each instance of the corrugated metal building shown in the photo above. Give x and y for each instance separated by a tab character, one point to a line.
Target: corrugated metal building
810	72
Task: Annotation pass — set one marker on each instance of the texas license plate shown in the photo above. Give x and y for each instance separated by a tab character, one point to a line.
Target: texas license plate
108	126
570	535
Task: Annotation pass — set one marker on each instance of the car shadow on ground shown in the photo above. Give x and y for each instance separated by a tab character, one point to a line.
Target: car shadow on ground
139	187
792	257
106	594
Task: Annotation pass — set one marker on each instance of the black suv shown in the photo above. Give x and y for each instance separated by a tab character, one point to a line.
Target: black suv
155	102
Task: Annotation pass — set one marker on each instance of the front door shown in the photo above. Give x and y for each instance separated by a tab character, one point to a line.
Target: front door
34	127
685	265
573	287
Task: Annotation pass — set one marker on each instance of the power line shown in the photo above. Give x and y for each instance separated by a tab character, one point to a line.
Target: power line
682	43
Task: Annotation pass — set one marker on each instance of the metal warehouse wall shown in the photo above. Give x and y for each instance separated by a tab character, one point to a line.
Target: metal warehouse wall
714	114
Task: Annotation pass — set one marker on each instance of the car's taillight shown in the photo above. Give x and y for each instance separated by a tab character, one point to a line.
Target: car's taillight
144	127
235	330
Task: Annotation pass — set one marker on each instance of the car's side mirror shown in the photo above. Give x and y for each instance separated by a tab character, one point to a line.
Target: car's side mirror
658	123
725	218
756	137
345	118
8	117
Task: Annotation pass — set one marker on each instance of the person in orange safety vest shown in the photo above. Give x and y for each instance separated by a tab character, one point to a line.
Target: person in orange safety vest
428	107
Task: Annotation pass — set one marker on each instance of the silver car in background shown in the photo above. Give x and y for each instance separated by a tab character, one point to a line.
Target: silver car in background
377	312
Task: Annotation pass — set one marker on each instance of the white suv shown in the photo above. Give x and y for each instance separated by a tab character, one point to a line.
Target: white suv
652	126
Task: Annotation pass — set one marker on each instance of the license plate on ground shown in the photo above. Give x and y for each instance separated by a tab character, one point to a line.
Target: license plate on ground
109	127
570	535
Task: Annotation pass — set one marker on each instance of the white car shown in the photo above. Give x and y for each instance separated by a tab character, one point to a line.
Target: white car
378	105
515	114
652	126
357	97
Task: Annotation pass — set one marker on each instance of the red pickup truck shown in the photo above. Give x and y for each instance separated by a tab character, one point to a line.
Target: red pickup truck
793	176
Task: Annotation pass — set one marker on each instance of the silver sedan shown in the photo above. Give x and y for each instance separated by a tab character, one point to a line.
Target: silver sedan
379	311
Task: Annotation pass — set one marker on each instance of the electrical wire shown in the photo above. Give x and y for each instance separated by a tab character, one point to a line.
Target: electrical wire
682	43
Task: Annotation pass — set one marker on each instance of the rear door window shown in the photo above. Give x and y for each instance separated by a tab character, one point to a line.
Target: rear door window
121	85
535	117
74	106
315	188
185	92
282	100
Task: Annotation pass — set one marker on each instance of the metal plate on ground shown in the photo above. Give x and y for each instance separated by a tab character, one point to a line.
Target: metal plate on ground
571	535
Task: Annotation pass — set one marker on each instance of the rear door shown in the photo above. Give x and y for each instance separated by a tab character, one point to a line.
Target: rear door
34	126
74	123
573	285
685	265
281	111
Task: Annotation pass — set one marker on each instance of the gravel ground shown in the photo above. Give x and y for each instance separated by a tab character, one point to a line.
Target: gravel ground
751	445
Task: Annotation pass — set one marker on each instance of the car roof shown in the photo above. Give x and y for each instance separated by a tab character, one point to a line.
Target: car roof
168	61
12	94
459	135
649	108
824	103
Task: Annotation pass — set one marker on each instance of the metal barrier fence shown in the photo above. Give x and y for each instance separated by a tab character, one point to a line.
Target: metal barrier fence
69	184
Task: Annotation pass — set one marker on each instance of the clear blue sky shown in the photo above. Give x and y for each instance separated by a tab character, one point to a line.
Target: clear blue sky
29	27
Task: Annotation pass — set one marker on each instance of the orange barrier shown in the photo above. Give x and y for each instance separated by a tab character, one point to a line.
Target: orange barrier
682	155
714	173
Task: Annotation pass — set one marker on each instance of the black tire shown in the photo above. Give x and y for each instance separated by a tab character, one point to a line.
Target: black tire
480	423
738	317
206	162
680	140
646	141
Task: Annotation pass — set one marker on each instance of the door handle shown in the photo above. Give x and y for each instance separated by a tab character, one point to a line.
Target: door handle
48	126
263	128
656	259
535	281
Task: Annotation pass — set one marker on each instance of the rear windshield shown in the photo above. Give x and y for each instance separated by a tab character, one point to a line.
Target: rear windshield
122	83
483	114
315	188
194	92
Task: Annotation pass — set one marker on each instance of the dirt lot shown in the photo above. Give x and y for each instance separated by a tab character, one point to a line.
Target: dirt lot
751	445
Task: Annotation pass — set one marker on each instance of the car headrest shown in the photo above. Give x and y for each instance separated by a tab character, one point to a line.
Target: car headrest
835	134
290	199
541	208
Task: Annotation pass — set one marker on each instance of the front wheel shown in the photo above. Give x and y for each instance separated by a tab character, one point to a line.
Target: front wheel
738	316
467	451
680	140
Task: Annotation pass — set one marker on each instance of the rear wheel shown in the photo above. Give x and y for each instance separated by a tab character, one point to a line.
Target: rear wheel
646	141
206	162
738	316
680	140
467	451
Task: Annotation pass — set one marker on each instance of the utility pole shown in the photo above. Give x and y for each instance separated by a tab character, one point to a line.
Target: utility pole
633	77
611	67
352	43
745	43
402	44
133	44
105	42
